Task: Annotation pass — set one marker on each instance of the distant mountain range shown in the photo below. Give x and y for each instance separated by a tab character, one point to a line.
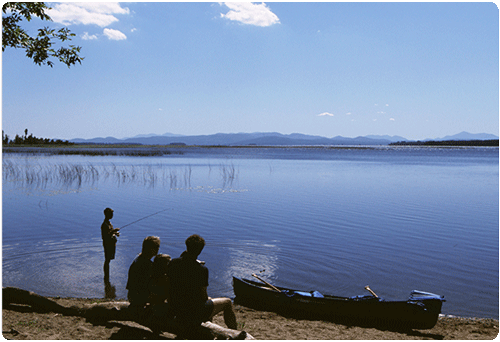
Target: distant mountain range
268	139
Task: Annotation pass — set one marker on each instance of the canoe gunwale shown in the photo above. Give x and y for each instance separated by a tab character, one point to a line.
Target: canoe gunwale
358	310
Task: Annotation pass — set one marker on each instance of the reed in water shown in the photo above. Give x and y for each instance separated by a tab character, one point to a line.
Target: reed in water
77	175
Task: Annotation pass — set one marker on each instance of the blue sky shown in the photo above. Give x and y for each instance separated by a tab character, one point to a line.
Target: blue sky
418	70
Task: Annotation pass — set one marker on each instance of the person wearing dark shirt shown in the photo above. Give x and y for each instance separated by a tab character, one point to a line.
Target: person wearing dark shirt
161	315
187	282
158	283
109	237
140	273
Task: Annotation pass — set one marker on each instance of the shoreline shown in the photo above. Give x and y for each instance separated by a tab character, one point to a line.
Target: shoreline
21	322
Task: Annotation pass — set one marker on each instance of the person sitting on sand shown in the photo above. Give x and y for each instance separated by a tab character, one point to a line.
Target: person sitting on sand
187	289
139	275
109	237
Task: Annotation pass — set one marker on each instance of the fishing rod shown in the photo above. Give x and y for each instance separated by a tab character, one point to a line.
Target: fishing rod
145	217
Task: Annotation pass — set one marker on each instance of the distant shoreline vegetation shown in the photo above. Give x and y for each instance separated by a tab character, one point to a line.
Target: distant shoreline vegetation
32	140
29	144
143	150
450	143
104	150
138	150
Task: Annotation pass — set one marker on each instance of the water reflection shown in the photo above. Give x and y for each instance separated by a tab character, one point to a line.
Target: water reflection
253	257
109	290
392	219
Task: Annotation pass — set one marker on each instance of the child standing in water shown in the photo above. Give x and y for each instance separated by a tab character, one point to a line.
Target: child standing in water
109	237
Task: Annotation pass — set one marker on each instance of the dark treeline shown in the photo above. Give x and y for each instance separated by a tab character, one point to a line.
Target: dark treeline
448	143
31	140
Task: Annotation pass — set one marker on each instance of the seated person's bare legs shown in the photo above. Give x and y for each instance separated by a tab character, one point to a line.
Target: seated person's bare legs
225	304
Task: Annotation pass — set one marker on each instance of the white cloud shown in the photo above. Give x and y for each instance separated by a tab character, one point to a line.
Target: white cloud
114	34
348	113
251	14
392	119
325	114
86	13
86	36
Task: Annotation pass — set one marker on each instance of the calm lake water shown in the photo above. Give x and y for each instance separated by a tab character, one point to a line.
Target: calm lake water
332	220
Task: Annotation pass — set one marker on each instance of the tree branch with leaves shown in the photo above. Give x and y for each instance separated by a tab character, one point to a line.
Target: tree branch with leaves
39	48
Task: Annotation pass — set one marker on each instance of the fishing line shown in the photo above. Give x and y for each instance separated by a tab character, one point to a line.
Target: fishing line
49	251
62	249
82	247
145	217
219	244
92	247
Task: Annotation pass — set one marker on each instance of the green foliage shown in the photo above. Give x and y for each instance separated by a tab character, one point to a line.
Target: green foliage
5	138
31	140
38	48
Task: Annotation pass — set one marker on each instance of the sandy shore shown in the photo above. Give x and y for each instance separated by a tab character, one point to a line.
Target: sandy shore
21	323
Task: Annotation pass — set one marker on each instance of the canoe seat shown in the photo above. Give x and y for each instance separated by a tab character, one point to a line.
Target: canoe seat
314	294
366	297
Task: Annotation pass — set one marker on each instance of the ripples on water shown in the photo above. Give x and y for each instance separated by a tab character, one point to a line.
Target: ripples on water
333	221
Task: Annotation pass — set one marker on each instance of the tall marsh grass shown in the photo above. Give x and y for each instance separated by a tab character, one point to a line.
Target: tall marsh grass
228	174
32	174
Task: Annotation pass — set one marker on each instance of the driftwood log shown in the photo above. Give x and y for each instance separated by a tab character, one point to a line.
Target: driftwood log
117	311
